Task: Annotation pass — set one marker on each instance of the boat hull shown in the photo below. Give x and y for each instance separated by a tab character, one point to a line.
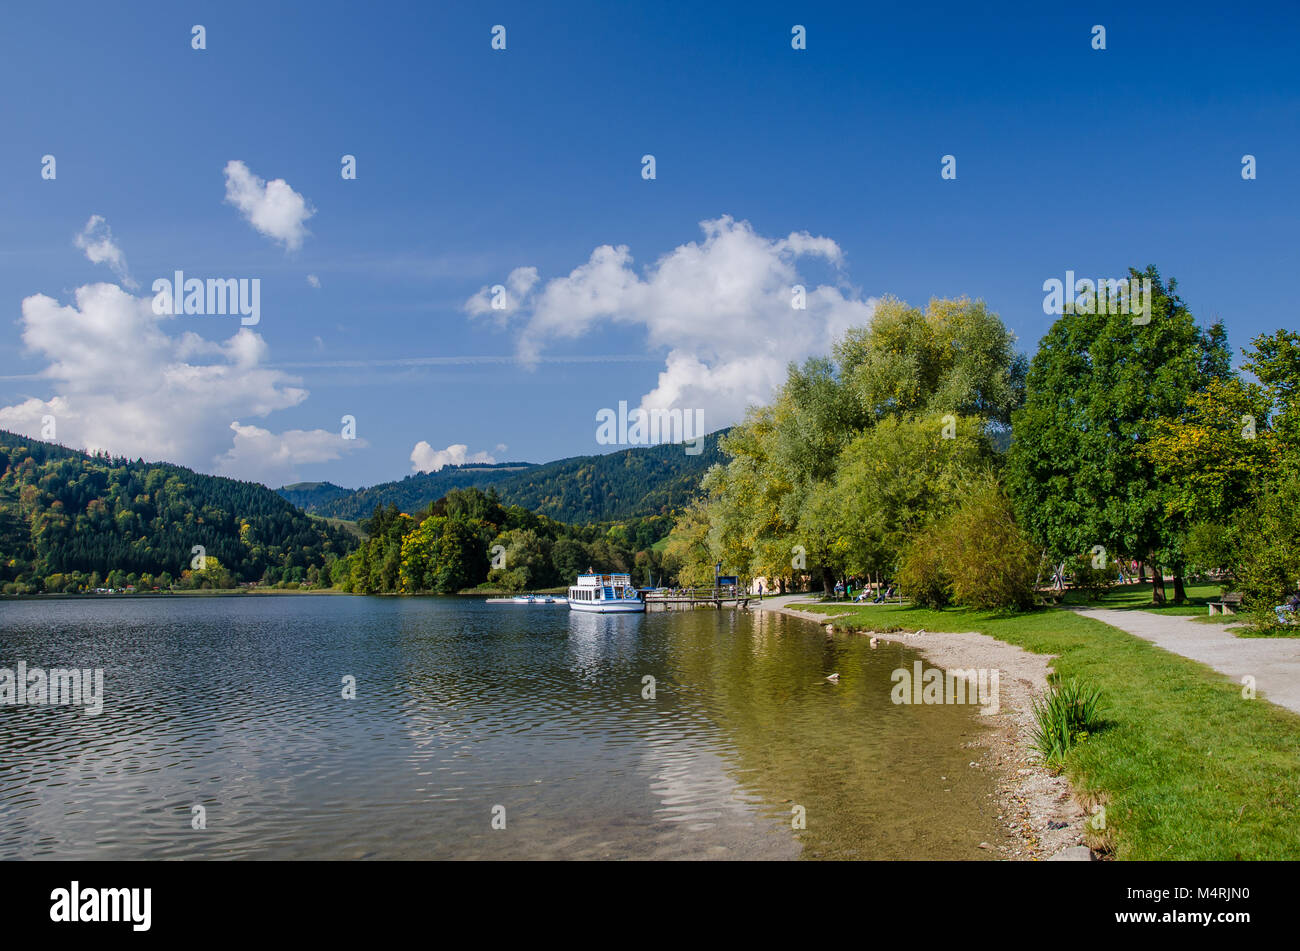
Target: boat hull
608	607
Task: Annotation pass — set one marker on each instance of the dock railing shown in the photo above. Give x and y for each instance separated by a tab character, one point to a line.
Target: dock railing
711	594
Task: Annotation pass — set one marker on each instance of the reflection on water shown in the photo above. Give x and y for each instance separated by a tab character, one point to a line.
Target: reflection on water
236	704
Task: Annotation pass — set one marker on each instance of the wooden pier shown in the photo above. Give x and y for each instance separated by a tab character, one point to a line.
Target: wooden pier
712	597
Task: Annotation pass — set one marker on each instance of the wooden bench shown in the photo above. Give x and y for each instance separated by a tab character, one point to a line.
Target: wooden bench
1230	601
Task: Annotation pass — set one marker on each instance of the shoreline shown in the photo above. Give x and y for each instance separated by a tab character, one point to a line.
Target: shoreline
1031	798
261	592
154	595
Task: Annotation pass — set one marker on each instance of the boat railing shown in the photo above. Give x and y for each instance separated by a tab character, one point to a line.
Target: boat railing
605	581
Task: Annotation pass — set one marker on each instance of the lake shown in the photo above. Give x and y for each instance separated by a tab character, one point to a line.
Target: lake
466	713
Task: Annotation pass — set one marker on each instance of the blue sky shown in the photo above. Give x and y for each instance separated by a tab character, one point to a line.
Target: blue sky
473	163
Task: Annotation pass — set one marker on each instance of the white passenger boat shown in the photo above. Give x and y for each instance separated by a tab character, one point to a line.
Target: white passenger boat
605	594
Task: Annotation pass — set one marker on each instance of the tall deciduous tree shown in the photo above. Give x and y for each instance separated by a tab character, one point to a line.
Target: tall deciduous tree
897	477
1096	390
1275	361
778	507
1215	457
955	357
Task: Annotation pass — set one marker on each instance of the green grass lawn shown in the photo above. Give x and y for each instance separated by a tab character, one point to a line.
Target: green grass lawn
1186	768
1137	597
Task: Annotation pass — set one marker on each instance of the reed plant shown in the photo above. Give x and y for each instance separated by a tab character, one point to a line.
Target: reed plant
1066	715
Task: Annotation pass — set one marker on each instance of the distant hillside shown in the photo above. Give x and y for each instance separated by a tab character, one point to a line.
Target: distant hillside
630	483
68	515
411	494
648	480
308	495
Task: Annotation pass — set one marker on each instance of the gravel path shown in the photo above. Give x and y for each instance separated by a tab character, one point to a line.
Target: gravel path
1274	662
782	603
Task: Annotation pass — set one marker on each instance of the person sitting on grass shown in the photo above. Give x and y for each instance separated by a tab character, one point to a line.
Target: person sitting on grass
1286	613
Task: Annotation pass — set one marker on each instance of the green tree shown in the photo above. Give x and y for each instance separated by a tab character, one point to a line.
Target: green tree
1275	361
992	564
955	357
1096	392
898	476
527	560
1267	548
688	552
420	554
569	558
778	506
1213	457
462	557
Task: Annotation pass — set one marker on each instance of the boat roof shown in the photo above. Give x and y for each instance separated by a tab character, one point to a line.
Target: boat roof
603	579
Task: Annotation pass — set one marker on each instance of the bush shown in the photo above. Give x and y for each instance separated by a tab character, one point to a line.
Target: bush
1096	581
990	562
516	579
976	557
1268	550
1063	717
921	572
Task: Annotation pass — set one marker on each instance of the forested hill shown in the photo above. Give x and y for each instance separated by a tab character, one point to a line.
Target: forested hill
411	494
308	495
69	519
630	483
647	480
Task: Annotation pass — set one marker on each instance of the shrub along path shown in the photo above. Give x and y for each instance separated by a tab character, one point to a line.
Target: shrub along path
1273	662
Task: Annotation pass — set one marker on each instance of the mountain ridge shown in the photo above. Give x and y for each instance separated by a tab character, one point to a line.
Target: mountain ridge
626	483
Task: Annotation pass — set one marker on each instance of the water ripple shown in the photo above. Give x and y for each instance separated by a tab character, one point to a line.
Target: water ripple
236	705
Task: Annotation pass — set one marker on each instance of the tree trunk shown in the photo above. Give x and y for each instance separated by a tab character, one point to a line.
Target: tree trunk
1180	595
1142	572
828	581
1157	585
780	582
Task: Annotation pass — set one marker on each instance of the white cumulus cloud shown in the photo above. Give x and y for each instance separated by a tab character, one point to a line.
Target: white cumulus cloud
128	381
277	456
424	458
503	301
272	208
96	239
721	308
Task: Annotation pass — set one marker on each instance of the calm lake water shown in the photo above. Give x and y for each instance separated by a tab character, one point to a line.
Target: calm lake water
235	704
